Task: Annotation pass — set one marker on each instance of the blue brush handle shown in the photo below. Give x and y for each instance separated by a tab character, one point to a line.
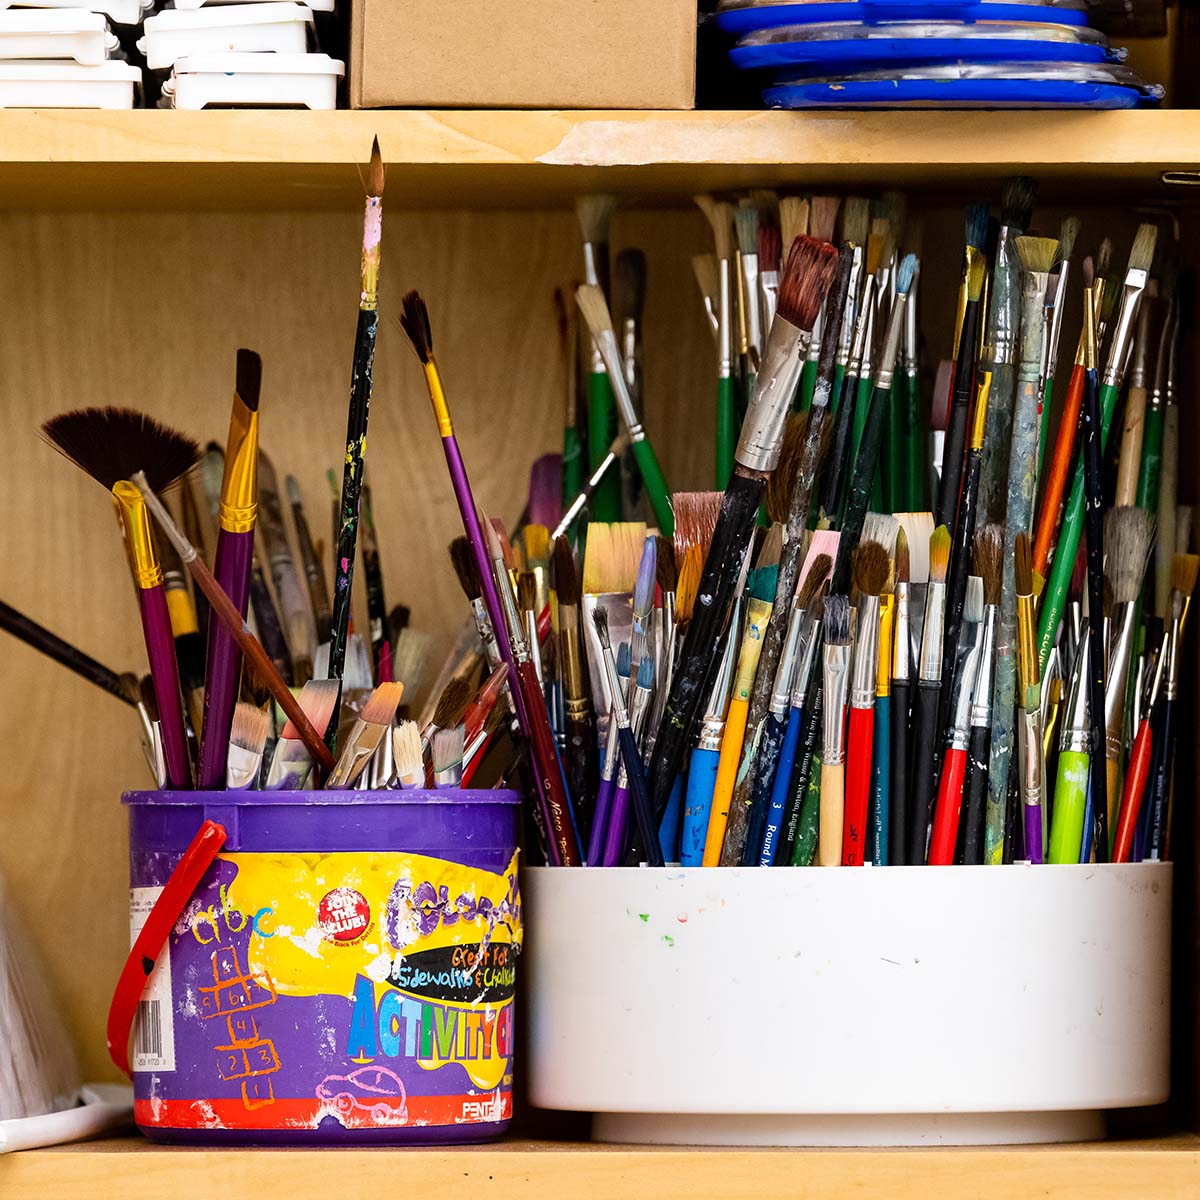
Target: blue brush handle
668	830
881	784
600	820
781	786
643	811
701	783
766	761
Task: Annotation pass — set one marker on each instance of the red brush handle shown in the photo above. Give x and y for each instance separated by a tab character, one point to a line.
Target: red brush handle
859	746
184	880
949	808
1131	797
545	754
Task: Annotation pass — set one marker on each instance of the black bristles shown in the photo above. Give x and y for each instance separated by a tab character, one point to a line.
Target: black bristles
466	568
249	378
1016	203
112	444
566	573
414	320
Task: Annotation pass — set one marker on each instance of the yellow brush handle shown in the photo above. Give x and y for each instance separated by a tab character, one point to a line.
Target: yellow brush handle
1130	462
1112	773
727	766
833	812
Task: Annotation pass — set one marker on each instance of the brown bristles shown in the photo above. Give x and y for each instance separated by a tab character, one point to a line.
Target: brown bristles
939	554
1089	272
527	591
805	281
989	561
1184	568
664	564
822	217
466	568
814	581
452	703
770	248
112	444
375	170
901	555
856	220
510	561
249	378
772	546
1128	539
1023	564
414	320
782	481
870	568
695	520
566	574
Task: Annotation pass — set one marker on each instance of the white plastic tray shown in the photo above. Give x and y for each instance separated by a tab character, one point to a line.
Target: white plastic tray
324	6
248	28
119	12
54	84
262	80
56	34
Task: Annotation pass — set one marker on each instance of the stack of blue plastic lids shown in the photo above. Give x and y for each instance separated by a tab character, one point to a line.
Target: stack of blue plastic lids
930	54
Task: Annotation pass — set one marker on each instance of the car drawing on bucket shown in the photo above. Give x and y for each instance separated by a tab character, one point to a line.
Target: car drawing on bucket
375	1091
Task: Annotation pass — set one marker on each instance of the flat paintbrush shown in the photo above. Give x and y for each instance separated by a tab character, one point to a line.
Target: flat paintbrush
719	215
805	281
579	758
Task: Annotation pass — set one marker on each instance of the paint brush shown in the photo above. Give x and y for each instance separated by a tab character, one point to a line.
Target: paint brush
579	759
1056	302
704	268
965	359
247	741
314	576
448	757
1129	462
294	603
639	685
1150	468
835	687
1030	765
1054	592
225	611
595	313
770	253
381	642
110	445
805	281
369	730
609	460
628	303
745	223
948	812
189	645
871	568
357	416
527	697
899	784
1137	771
407	756
573	463
719	216
925	702
595	216
989	567
32	634
1071	777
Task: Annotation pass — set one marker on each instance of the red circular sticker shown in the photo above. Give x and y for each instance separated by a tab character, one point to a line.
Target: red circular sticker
344	915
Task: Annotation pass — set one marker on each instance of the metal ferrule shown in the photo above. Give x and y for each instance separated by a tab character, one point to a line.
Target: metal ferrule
910	324
891	343
850	313
612	753
1156	684
762	429
139	539
512	618
786	670
239	485
1076	732
619	713
1028	682
1116	680
806	657
1029	757
724	322
768	291
860	348
866	654
981	697
531	636
900	636
753	323
1135	285
638	706
812	352
1053	671
664	671
1056	290
713	725
610	352
929	666
837	679
487	635
959	733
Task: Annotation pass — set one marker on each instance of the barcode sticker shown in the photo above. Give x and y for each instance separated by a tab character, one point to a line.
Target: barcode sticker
154	1030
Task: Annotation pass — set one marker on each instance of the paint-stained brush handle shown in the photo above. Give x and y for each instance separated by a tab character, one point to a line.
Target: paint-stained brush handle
697	807
1070	803
975	790
1050	508
773	775
1163	760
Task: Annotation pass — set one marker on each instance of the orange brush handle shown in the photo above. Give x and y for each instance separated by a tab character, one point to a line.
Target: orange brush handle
1131	798
1057	470
949	808
859	748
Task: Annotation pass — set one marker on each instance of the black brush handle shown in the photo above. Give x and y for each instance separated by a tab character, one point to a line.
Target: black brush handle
839	449
270	631
956	586
814	705
697	659
900	778
860	488
924	768
642	811
580	762
975	791
956	420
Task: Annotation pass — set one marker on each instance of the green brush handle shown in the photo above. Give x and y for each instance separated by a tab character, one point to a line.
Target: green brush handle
726	431
915	473
892	463
862	406
835	395
602	428
808	385
1070	799
572	463
656	486
1148	477
1054	594
1044	431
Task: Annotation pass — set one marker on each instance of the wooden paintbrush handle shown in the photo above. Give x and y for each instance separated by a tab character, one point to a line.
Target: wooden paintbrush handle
1129	464
833	814
1112	791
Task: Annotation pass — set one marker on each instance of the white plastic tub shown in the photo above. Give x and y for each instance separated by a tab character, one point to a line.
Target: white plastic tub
867	1006
55	34
119	12
53	84
254	80
247	28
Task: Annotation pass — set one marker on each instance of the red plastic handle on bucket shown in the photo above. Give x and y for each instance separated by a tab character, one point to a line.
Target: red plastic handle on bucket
184	880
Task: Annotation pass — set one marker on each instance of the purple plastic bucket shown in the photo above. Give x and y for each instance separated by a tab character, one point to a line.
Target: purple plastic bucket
344	972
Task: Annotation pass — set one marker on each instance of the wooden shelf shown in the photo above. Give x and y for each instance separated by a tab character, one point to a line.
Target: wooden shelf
1165	1168
235	160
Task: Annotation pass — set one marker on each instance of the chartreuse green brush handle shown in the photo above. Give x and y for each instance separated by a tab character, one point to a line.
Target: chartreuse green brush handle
572	464
1070	800
1054	594
1148	476
656	486
726	431
602	428
808	385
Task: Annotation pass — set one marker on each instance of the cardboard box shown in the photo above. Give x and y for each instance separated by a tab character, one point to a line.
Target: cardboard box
529	54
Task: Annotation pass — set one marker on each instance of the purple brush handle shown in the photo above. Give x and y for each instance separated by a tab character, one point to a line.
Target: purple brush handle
618	827
222	674
164	671
600	819
1033	833
491	601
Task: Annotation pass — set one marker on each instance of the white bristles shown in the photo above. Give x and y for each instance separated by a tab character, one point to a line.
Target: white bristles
918	528
881	528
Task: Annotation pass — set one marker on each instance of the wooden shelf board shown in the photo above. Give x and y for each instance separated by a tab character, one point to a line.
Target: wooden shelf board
495	158
1165	1168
